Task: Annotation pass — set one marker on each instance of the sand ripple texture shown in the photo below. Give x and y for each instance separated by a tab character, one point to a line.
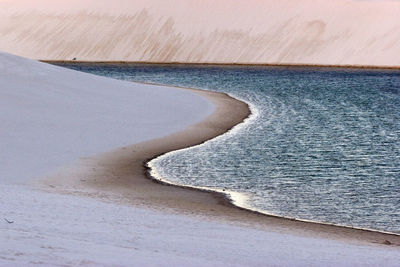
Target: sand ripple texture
341	32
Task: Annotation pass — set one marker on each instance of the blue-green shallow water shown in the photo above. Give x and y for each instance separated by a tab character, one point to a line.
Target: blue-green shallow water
324	145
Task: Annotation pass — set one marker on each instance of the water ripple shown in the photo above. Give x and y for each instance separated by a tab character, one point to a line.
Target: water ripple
324	146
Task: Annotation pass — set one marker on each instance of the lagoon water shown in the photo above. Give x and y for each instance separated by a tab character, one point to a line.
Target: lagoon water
323	143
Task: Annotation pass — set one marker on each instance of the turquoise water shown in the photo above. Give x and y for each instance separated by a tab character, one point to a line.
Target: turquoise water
322	145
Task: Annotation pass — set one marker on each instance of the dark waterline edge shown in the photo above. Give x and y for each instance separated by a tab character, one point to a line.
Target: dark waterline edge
228	196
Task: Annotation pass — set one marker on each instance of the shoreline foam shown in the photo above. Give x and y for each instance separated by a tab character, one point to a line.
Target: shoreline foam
152	174
123	176
130	219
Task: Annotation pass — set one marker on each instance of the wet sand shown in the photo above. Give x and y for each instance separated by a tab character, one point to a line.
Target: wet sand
122	176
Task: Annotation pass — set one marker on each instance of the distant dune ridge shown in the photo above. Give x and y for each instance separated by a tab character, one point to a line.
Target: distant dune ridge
340	32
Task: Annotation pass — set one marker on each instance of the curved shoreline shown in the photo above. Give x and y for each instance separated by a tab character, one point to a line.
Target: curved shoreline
122	175
227	198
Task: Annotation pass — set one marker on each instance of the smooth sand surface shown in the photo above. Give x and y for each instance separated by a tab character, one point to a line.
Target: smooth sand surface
50	116
109	212
121	176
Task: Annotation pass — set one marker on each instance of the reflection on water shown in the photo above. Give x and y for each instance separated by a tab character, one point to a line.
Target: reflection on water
324	145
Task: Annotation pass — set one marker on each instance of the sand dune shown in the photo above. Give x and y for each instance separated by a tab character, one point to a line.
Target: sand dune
341	32
108	213
51	116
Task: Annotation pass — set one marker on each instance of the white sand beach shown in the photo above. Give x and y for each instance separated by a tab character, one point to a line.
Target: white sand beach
316	32
74	189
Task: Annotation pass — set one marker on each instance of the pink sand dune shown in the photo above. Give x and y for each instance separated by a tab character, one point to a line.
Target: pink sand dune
340	32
